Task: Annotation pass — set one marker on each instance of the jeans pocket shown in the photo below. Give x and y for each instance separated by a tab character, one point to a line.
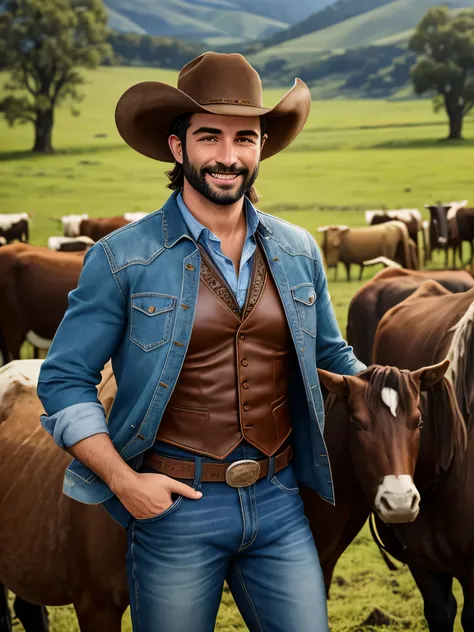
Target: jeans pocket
172	508
285	480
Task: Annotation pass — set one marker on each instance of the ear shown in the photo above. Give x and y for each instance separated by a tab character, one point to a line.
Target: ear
429	375
333	382
176	148
264	138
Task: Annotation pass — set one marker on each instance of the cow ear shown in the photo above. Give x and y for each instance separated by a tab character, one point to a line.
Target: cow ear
429	375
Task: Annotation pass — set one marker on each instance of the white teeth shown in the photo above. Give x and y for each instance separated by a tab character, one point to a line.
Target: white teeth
225	176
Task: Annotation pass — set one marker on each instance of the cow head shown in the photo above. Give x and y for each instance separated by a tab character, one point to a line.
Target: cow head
71	224
332	243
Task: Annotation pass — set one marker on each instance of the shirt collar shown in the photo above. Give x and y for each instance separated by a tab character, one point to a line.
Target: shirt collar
195	227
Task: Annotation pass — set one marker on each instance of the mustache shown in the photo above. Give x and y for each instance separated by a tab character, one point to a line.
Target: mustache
220	168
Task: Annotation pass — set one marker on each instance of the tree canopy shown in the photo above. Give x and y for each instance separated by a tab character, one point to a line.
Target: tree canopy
43	44
445	41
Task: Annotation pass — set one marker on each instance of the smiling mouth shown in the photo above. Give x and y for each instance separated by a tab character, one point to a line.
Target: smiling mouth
225	177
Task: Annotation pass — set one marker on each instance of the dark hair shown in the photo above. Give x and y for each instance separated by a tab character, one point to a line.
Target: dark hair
179	126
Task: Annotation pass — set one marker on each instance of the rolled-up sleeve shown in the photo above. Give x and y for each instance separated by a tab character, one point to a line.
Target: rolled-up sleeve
332	351
86	339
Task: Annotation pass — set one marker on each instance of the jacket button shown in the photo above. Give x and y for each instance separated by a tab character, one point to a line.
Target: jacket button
245	384
246	407
189	266
151	309
244	363
242	336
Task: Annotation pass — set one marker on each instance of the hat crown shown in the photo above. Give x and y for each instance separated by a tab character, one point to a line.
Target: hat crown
220	78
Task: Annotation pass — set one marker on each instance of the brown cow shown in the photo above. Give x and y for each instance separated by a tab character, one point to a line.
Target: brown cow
451	224
439	546
99	227
34	287
357	245
386	289
86	564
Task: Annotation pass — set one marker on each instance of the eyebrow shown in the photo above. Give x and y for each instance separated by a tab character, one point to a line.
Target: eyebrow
213	130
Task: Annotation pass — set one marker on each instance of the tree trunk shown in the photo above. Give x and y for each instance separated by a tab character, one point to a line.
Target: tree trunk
44	131
455	113
455	126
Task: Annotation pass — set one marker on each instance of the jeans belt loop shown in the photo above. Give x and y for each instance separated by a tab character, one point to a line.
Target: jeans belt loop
271	467
197	472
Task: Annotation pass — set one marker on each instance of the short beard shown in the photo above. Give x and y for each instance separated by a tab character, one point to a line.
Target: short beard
197	179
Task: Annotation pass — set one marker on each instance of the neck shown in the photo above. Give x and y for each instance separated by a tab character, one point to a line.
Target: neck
226	221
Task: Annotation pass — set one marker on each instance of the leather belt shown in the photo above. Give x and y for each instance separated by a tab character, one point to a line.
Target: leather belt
236	474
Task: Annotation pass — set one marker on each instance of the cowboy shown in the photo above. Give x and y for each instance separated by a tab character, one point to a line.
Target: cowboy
216	316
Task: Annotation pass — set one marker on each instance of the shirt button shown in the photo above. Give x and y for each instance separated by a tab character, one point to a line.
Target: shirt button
151	309
246	407
245	384
244	363
242	336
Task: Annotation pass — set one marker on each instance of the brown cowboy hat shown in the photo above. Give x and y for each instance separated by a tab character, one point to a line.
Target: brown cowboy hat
216	83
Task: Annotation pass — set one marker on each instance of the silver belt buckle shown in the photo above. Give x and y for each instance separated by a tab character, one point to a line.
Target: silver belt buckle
242	473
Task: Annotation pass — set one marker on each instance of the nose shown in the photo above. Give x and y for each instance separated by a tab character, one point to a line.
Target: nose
397	499
226	153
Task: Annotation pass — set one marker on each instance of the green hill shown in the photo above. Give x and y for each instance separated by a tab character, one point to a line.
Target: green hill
388	21
215	22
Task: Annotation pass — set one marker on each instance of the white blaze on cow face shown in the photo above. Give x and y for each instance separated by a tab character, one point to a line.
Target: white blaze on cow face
397	499
23	371
7	220
390	399
71	224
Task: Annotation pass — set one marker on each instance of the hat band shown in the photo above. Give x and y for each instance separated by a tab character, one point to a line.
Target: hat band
230	102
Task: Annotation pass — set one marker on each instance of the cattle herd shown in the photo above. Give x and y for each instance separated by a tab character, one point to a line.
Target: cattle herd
399	435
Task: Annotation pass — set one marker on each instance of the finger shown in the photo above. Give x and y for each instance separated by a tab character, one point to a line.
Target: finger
182	489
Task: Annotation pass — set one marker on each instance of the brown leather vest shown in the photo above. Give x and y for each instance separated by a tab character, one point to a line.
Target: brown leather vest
234	381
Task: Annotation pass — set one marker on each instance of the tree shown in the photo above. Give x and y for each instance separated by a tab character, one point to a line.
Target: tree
446	42
43	44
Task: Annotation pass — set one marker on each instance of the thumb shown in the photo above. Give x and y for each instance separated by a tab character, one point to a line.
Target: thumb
183	489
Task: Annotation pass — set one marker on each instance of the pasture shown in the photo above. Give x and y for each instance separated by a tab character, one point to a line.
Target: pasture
357	154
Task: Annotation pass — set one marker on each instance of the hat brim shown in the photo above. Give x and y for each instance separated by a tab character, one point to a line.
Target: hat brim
145	111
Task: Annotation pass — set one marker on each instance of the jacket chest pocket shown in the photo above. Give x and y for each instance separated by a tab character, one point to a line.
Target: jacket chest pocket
304	296
151	319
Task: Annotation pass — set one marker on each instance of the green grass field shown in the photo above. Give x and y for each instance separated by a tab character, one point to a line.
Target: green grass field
351	154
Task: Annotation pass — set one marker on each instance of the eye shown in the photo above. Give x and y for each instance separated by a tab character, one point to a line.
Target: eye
209	138
355	422
247	140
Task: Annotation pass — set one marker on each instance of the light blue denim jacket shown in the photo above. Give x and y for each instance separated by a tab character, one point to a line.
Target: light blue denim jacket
155	262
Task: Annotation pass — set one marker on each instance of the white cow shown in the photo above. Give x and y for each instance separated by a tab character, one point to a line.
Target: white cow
68	244
134	217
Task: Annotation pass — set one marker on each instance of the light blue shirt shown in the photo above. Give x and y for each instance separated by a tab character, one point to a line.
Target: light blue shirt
212	244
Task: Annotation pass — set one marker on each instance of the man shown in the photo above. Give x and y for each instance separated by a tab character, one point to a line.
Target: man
215	316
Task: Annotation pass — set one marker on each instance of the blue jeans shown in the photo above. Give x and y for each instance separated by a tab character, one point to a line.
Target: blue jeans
257	538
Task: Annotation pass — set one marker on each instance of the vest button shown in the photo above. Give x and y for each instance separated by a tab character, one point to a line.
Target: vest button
245	384
244	363
151	309
246	407
242	336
